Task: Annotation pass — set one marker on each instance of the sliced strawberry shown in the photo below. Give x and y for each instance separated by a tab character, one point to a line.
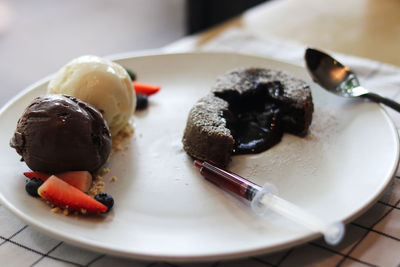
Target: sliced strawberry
40	175
63	195
146	89
80	179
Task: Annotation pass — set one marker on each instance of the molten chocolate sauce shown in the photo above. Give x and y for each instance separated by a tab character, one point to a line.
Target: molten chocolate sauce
255	118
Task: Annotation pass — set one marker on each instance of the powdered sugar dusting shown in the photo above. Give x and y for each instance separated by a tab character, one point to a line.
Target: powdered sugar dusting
293	156
324	125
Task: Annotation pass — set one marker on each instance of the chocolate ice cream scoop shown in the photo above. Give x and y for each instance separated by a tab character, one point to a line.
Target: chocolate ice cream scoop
58	133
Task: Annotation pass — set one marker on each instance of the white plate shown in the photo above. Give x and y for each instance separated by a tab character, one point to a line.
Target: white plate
166	210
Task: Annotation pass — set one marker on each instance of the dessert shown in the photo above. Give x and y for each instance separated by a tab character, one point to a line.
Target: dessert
64	195
64	139
32	186
142	101
105	199
142	90
247	111
79	179
145	89
100	82
59	133
206	135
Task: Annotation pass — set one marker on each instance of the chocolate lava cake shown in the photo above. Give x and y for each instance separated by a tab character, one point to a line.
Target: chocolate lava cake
247	111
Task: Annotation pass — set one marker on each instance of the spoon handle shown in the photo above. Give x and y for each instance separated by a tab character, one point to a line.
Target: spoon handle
380	99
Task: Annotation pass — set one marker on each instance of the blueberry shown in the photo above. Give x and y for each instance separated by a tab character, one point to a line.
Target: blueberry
141	101
32	186
131	74
105	199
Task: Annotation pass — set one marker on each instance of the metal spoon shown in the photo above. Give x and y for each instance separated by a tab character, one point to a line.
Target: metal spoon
339	79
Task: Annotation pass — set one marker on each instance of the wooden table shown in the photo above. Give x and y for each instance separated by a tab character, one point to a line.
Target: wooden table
364	28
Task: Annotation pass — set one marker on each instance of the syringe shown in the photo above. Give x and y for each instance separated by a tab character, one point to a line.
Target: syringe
266	198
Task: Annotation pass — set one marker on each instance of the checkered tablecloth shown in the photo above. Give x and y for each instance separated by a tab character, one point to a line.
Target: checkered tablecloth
371	240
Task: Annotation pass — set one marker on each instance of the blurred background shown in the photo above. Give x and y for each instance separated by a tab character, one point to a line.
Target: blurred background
38	37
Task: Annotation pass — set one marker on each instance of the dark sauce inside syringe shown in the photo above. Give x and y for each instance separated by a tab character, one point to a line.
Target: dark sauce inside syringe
228	180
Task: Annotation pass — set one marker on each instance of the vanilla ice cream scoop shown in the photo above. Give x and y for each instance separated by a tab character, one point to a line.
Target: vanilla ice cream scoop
101	83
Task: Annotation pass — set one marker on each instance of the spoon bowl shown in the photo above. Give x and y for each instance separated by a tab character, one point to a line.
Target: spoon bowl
339	79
